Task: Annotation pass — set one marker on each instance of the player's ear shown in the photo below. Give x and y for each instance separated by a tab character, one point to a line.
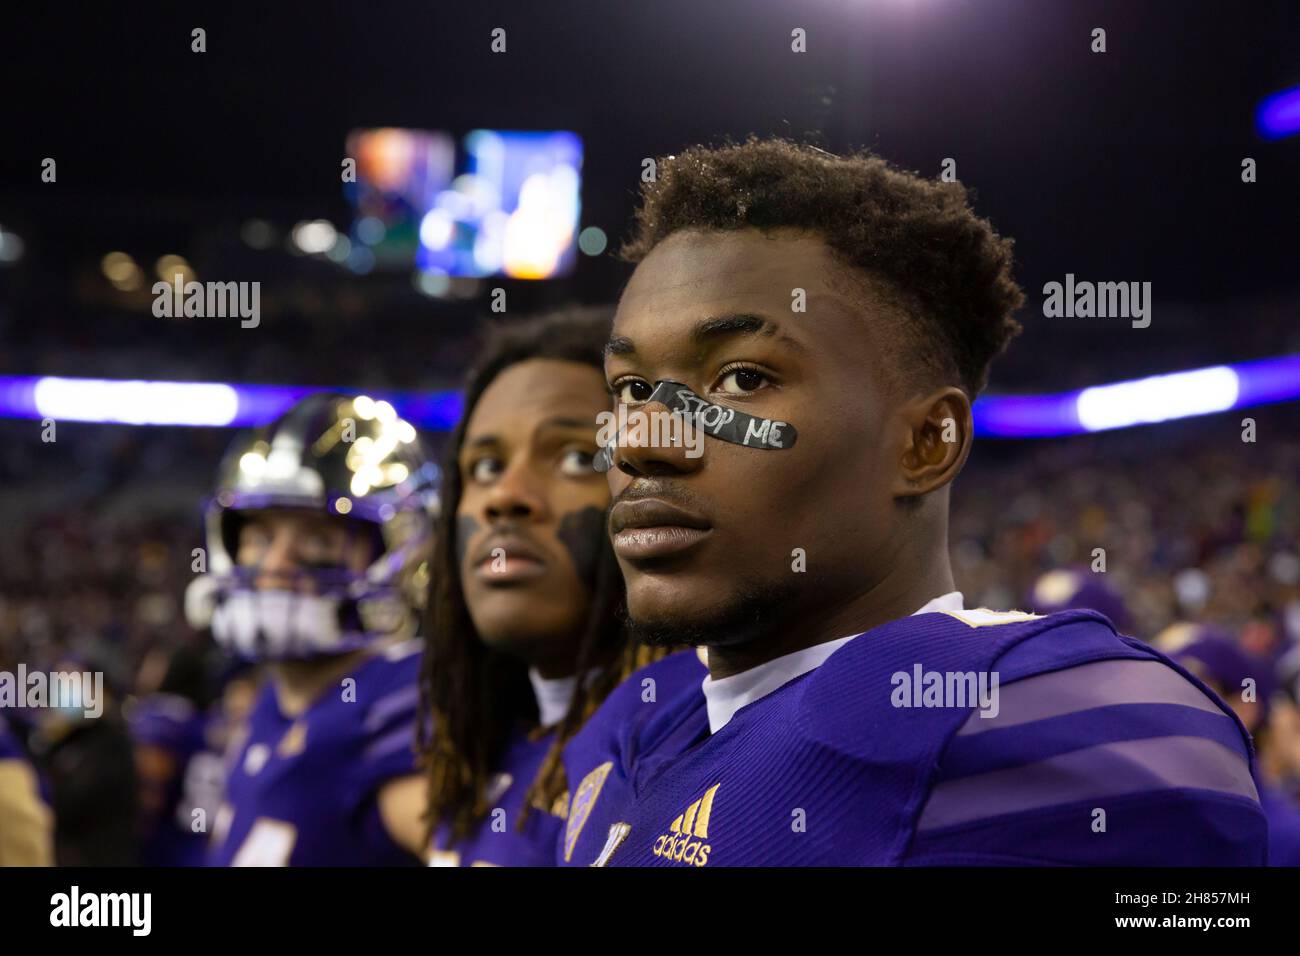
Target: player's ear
937	434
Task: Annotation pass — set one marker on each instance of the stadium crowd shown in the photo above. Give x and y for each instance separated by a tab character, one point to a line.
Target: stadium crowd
1158	526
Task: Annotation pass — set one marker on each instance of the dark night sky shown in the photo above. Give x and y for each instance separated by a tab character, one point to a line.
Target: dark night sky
1120	166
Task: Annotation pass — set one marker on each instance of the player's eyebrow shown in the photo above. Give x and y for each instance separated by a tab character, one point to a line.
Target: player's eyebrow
619	345
738	324
741	323
562	421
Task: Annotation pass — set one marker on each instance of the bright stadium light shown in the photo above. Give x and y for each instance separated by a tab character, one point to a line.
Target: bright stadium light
135	403
437	229
314	237
1146	401
170	266
11	247
121	270
1279	115
1158	398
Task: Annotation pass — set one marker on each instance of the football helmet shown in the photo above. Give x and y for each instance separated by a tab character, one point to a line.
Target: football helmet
346	456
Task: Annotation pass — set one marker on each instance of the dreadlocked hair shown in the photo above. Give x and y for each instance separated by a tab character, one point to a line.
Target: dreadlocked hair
472	698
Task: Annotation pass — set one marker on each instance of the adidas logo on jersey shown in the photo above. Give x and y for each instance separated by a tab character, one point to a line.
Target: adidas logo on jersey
684	841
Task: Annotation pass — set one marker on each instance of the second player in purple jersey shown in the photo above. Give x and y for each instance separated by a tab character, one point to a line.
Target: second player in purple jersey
525	638
317	548
303	791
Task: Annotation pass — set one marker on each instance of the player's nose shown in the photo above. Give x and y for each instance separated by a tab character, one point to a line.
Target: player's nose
277	569
517	494
662	443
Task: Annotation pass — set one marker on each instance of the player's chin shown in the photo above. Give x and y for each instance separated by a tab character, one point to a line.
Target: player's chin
659	603
716	605
530	635
504	616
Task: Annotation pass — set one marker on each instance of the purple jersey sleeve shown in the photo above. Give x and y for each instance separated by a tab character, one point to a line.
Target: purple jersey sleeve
1112	762
390	702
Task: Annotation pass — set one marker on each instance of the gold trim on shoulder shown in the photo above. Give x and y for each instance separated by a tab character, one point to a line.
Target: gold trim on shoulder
983	617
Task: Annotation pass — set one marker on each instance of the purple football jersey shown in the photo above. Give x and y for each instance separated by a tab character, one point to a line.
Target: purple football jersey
1283	812
303	792
498	840
947	738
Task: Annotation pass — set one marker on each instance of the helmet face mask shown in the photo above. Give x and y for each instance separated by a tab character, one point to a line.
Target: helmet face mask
350	459
283	624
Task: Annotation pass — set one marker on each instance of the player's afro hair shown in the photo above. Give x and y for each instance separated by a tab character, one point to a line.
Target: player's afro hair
948	269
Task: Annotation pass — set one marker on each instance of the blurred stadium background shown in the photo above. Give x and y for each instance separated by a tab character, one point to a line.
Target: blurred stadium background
518	171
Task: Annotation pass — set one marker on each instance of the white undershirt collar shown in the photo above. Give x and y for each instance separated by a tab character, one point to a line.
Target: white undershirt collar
554	695
728	695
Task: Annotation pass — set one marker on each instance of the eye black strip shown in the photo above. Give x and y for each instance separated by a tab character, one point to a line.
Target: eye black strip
718	421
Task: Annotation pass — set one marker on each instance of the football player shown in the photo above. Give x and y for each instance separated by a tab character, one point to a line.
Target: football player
828	322
317	549
524	634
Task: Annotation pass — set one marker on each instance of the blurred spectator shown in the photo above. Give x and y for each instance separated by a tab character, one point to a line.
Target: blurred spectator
26	826
1188	522
1246	684
179	773
91	773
